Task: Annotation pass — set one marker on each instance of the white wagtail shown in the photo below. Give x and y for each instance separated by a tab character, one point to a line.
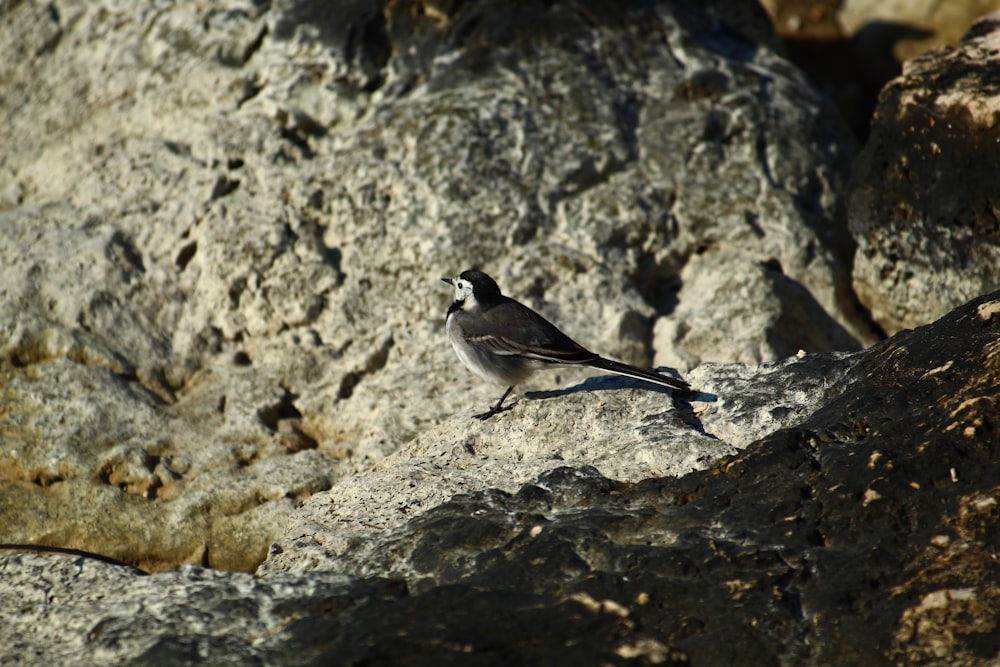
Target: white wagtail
504	342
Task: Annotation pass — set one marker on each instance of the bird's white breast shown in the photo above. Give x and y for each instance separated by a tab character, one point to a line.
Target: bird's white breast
468	355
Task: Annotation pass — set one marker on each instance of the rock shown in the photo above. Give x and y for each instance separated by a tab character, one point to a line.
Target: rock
222	231
153	492
879	32
223	226
863	532
87	612
779	311
624	433
852	49
809	527
923	203
75	610
598	425
916	27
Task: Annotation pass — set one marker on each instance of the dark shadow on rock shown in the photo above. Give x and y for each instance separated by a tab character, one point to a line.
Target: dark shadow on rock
611	383
681	400
803	324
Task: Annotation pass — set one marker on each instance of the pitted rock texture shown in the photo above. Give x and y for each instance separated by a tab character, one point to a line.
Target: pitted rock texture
924	204
222	228
865	533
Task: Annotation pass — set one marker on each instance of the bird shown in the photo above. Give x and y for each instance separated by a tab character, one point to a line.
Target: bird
504	342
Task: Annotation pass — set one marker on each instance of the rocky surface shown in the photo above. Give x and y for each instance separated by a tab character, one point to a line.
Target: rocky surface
910	29
853	536
924	206
599	425
223	228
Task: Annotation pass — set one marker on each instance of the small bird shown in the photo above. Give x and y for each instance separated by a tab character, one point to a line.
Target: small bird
504	342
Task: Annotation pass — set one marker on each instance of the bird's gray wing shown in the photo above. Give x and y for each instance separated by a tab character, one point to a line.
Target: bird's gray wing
511	328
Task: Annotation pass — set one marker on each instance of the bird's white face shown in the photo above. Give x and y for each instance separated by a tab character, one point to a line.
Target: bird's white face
463	290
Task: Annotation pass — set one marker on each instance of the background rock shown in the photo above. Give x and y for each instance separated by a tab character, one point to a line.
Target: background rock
853	48
924	204
932	24
224	225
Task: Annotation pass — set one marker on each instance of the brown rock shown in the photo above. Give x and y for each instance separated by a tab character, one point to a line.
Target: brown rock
925	201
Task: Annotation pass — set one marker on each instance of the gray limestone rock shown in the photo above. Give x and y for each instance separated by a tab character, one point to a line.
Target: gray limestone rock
852	49
65	609
601	424
222	228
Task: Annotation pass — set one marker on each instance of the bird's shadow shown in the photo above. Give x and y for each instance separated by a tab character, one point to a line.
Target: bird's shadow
682	399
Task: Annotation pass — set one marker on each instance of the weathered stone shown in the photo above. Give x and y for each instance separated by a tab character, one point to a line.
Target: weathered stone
223	226
913	27
75	610
863	533
779	313
924	202
877	31
221	232
600	424
854	536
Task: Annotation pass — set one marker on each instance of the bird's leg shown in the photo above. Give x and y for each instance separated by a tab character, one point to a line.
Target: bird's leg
496	409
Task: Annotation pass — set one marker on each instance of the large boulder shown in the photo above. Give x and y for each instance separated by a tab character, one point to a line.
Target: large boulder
924	206
223	228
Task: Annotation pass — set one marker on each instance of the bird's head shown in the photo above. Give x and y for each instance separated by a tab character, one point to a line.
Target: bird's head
473	288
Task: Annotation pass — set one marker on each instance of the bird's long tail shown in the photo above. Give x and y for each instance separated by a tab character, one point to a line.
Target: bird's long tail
639	374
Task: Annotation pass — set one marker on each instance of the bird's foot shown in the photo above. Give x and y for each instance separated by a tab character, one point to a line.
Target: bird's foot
495	410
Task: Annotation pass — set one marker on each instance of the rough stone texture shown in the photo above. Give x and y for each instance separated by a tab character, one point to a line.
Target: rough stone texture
222	227
863	533
925	203
774	328
78	611
627	435
221	231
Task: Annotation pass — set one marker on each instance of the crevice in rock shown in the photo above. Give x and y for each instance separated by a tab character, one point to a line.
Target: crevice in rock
251	89
254	45
272	415
285	420
185	255
121	251
224	186
374	362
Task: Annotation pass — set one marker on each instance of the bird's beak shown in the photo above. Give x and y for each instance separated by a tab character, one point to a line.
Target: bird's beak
447	280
